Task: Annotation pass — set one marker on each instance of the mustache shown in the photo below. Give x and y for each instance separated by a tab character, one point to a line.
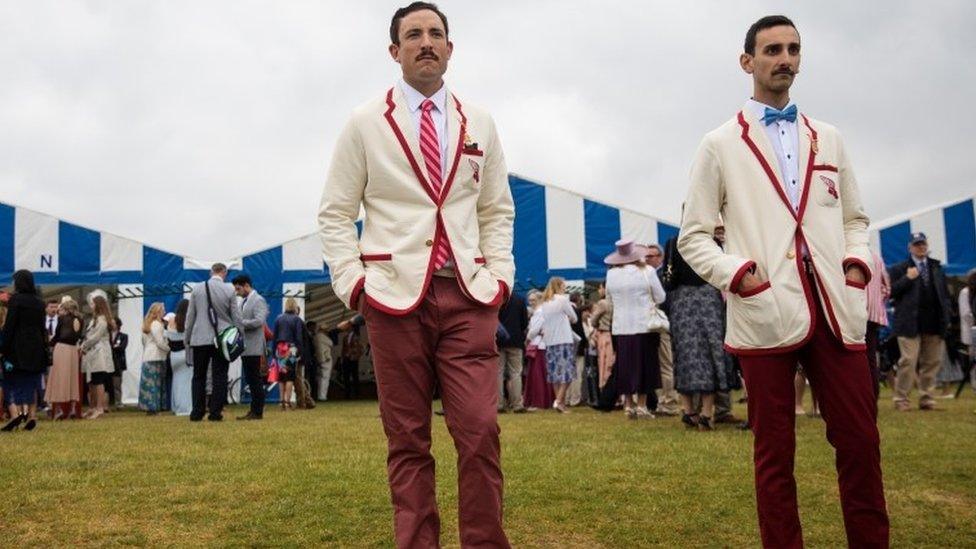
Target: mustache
785	70
427	55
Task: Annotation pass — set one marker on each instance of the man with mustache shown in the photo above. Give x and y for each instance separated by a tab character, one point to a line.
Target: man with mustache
432	266
795	265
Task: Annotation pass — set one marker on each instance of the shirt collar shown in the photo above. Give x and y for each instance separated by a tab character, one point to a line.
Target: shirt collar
415	98
759	109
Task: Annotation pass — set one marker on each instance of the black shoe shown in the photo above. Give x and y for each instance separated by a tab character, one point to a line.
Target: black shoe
215	418
690	420
31	423
196	418
14	423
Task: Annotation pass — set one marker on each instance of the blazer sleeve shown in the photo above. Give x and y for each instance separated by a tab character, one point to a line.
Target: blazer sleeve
535	324
696	244
158	337
342	198
191	315
570	311
261	311
496	214
98	331
657	290
900	283
856	251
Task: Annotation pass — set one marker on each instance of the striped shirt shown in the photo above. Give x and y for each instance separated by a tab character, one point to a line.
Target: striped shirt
879	288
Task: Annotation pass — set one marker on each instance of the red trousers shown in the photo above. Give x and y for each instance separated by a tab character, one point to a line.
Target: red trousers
447	340
841	379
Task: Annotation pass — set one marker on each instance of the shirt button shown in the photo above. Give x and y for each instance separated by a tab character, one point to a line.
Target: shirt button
429	242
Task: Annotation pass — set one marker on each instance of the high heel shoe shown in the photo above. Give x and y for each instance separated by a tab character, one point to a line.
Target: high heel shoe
690	420
705	423
14	423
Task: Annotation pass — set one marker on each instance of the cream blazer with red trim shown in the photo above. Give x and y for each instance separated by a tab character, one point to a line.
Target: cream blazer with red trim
377	164
735	172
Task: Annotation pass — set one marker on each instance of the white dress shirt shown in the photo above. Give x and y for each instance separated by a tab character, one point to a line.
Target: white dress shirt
630	290
785	139
51	325
557	314
437	114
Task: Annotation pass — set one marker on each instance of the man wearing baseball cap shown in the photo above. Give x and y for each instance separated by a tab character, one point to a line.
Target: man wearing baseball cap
918	288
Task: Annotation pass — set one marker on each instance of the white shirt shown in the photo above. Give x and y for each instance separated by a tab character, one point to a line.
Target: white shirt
556	316
630	290
965	318
51	324
437	114
785	139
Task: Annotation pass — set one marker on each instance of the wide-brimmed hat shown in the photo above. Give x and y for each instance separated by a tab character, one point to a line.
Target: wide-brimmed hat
627	252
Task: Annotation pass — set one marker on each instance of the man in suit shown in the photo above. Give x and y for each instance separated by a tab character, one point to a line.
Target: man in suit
254	314
514	317
200	337
795	265
119	342
432	265
918	288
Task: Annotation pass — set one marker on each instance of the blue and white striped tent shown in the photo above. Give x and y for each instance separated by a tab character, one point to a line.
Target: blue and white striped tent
557	233
950	229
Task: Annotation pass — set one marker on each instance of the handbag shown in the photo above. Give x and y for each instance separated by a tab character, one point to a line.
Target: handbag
229	341
659	321
667	273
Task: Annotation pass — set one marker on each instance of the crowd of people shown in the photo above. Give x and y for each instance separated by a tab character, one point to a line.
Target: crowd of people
60	362
649	341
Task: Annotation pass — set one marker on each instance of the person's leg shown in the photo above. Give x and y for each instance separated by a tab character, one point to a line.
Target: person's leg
218	397
931	351
723	406
513	367
249	368
198	386
841	380
465	359
574	392
907	363
403	353
769	380
667	396
799	387
502	358
354	379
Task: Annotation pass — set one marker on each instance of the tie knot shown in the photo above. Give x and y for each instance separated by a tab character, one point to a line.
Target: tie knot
427	105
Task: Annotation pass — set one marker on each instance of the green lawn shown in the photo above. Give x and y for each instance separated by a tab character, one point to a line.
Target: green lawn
587	479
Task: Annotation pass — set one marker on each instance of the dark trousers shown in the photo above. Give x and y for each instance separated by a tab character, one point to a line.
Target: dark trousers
842	382
349	374
255	384
871	338
205	356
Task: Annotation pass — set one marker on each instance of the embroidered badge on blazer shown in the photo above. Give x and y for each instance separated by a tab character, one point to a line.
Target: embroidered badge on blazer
831	186
476	168
469	144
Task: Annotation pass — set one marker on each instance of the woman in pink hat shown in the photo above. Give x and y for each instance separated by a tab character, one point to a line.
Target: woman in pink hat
631	287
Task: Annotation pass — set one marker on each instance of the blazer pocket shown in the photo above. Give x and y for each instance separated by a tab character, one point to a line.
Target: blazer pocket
375	257
825	186
853	284
756	291
473	152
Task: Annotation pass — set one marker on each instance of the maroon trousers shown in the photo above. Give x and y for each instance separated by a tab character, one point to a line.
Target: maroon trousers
447	340
841	379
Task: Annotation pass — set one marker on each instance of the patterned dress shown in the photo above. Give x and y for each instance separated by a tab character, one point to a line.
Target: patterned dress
701	364
561	363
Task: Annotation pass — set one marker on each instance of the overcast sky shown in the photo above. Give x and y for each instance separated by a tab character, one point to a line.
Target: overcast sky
206	128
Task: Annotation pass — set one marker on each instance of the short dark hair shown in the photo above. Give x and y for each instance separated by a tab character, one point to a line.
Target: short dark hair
53	301
241	280
118	322
403	12
767	22
218	268
311	325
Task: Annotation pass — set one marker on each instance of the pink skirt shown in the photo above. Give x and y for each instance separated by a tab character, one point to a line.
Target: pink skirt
537	392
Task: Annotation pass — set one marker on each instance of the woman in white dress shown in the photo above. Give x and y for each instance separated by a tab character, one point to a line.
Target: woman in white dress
181	391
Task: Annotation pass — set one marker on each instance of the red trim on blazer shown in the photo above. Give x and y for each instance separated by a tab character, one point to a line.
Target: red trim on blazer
745	268
864	268
356	290
825	167
406	147
375	257
479	261
809	174
757	290
446	187
854	284
765	165
472	152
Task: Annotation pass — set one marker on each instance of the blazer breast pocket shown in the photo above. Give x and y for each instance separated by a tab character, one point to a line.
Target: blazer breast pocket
826	187
471	168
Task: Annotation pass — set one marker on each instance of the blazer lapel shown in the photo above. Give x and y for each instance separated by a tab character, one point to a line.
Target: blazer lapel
807	158
456	124
755	138
398	117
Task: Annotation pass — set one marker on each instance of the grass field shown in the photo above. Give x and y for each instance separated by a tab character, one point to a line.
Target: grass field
587	479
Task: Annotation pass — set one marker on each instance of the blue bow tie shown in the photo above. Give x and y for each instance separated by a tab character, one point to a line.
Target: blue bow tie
772	115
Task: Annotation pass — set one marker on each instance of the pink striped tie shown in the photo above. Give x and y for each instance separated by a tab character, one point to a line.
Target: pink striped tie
431	149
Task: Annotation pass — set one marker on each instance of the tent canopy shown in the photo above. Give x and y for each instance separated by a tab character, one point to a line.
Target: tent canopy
950	229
